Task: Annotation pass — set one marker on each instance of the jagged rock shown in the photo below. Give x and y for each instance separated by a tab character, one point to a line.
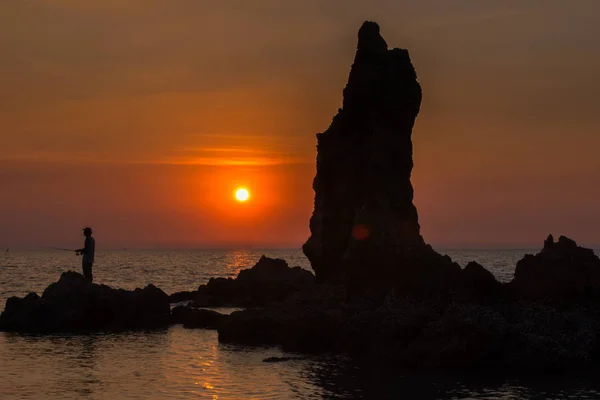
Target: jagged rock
270	280
22	314
196	318
364	222
561	269
75	305
479	283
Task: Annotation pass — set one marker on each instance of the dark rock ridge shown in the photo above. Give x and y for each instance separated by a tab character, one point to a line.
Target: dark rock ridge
364	218
561	270
270	280
75	305
517	326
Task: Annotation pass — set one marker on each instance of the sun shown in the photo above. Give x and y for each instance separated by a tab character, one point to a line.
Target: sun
242	194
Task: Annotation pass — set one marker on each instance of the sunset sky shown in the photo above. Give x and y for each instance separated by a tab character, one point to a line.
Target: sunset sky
141	118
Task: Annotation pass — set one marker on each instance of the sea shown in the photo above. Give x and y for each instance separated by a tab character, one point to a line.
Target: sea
178	363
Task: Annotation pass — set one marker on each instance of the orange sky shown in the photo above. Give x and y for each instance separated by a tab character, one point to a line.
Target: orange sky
141	117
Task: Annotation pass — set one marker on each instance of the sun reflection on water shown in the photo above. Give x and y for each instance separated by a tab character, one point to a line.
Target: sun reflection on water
237	260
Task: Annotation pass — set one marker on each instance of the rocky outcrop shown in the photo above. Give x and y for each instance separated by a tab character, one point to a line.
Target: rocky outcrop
527	337
364	222
479	283
74	305
77	306
561	269
546	319
270	280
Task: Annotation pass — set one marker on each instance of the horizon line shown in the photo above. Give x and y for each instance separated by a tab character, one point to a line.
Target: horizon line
278	248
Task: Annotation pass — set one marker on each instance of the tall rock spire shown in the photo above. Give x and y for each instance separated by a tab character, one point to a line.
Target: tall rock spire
364	221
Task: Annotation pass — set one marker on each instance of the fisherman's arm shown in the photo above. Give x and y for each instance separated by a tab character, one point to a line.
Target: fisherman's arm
86	244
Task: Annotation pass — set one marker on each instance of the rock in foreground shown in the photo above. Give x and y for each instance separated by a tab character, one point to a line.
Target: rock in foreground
529	337
73	305
519	326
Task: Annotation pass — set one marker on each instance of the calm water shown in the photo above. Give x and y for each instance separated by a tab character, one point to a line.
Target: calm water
176	363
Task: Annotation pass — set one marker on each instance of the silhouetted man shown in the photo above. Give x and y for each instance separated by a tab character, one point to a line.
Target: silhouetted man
89	247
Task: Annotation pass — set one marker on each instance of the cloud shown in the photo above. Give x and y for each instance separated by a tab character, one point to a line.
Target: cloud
232	156
185	156
58	157
246	161
220	150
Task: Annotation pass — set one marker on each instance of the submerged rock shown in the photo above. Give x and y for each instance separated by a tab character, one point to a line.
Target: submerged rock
182	297
364	223
270	280
196	318
75	305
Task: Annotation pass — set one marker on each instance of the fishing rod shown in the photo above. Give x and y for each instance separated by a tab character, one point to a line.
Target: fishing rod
56	248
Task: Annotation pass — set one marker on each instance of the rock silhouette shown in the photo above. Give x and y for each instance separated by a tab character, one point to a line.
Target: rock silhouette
269	280
75	305
561	269
364	218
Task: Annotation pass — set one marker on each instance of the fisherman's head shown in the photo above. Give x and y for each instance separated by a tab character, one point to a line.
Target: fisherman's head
87	231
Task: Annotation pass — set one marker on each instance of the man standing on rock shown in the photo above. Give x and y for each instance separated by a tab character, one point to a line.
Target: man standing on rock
88	250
